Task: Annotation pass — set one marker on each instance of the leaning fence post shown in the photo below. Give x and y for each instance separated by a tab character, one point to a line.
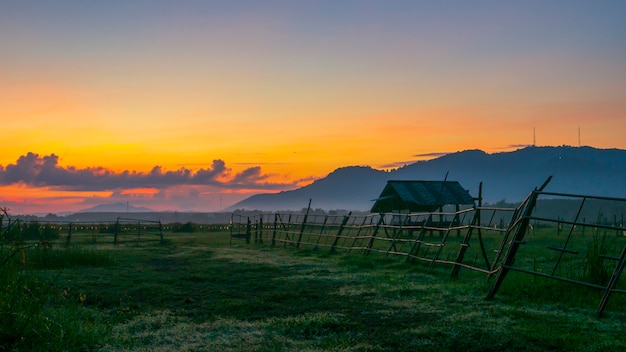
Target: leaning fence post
617	273
522	226
321	231
370	243
303	224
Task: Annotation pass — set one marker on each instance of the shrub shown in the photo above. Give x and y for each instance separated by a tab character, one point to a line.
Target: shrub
186	227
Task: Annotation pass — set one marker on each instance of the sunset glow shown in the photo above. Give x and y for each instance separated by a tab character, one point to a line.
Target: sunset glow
194	105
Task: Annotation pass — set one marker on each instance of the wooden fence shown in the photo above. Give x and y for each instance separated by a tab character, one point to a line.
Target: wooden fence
119	231
581	248
469	238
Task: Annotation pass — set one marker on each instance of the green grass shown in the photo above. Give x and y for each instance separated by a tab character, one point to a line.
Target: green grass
35	312
195	292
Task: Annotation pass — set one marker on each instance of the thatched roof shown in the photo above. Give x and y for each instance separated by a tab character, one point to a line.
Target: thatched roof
420	196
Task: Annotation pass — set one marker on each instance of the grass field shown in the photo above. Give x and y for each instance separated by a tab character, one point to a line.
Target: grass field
195	292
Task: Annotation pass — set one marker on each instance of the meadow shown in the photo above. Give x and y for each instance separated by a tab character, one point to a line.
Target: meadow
200	292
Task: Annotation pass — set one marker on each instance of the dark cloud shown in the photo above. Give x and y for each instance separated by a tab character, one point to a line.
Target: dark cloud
515	146
399	164
44	171
248	175
431	155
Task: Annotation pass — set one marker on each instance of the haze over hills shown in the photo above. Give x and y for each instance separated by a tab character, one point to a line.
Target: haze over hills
116	208
509	176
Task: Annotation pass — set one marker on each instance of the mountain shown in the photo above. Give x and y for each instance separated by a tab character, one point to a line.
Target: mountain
509	176
115	208
345	188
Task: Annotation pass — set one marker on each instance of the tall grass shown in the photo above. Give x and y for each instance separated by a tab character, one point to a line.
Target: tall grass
35	314
597	267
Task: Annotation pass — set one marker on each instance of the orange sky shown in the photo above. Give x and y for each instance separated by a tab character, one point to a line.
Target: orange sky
285	93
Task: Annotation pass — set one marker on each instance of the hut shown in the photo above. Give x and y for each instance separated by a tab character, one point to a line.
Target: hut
420	196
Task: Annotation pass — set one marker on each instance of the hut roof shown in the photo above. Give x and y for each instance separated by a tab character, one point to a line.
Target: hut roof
420	196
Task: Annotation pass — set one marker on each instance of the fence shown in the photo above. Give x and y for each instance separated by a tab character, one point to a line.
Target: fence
136	228
122	230
586	247
469	238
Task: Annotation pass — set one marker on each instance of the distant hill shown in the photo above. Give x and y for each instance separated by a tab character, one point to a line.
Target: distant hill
506	176
115	208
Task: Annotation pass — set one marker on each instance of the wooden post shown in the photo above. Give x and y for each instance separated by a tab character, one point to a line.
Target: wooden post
287	230
612	282
274	229
458	231
509	258
343	224
306	215
321	231
230	225
248	231
466	243
256	231
69	236
161	230
443	242
116	231
418	241
370	243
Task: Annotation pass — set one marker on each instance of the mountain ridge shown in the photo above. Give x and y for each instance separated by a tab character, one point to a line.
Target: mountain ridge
506	176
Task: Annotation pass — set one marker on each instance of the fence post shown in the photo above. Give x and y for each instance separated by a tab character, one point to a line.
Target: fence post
287	231
231	225
261	229
358	233
256	230
418	240
370	243
443	241
69	236
116	231
612	282
161	230
306	215
20	230
338	235
509	258
274	229
321	231
248	231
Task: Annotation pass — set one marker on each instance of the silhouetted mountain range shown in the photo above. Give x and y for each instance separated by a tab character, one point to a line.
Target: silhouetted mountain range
506	176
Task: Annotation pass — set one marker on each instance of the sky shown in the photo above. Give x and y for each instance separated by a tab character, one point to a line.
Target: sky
195	105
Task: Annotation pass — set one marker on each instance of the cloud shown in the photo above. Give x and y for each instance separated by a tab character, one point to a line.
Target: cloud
399	164
44	171
431	155
515	146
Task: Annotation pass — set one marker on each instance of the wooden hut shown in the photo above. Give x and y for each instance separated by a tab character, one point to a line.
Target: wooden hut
421	196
